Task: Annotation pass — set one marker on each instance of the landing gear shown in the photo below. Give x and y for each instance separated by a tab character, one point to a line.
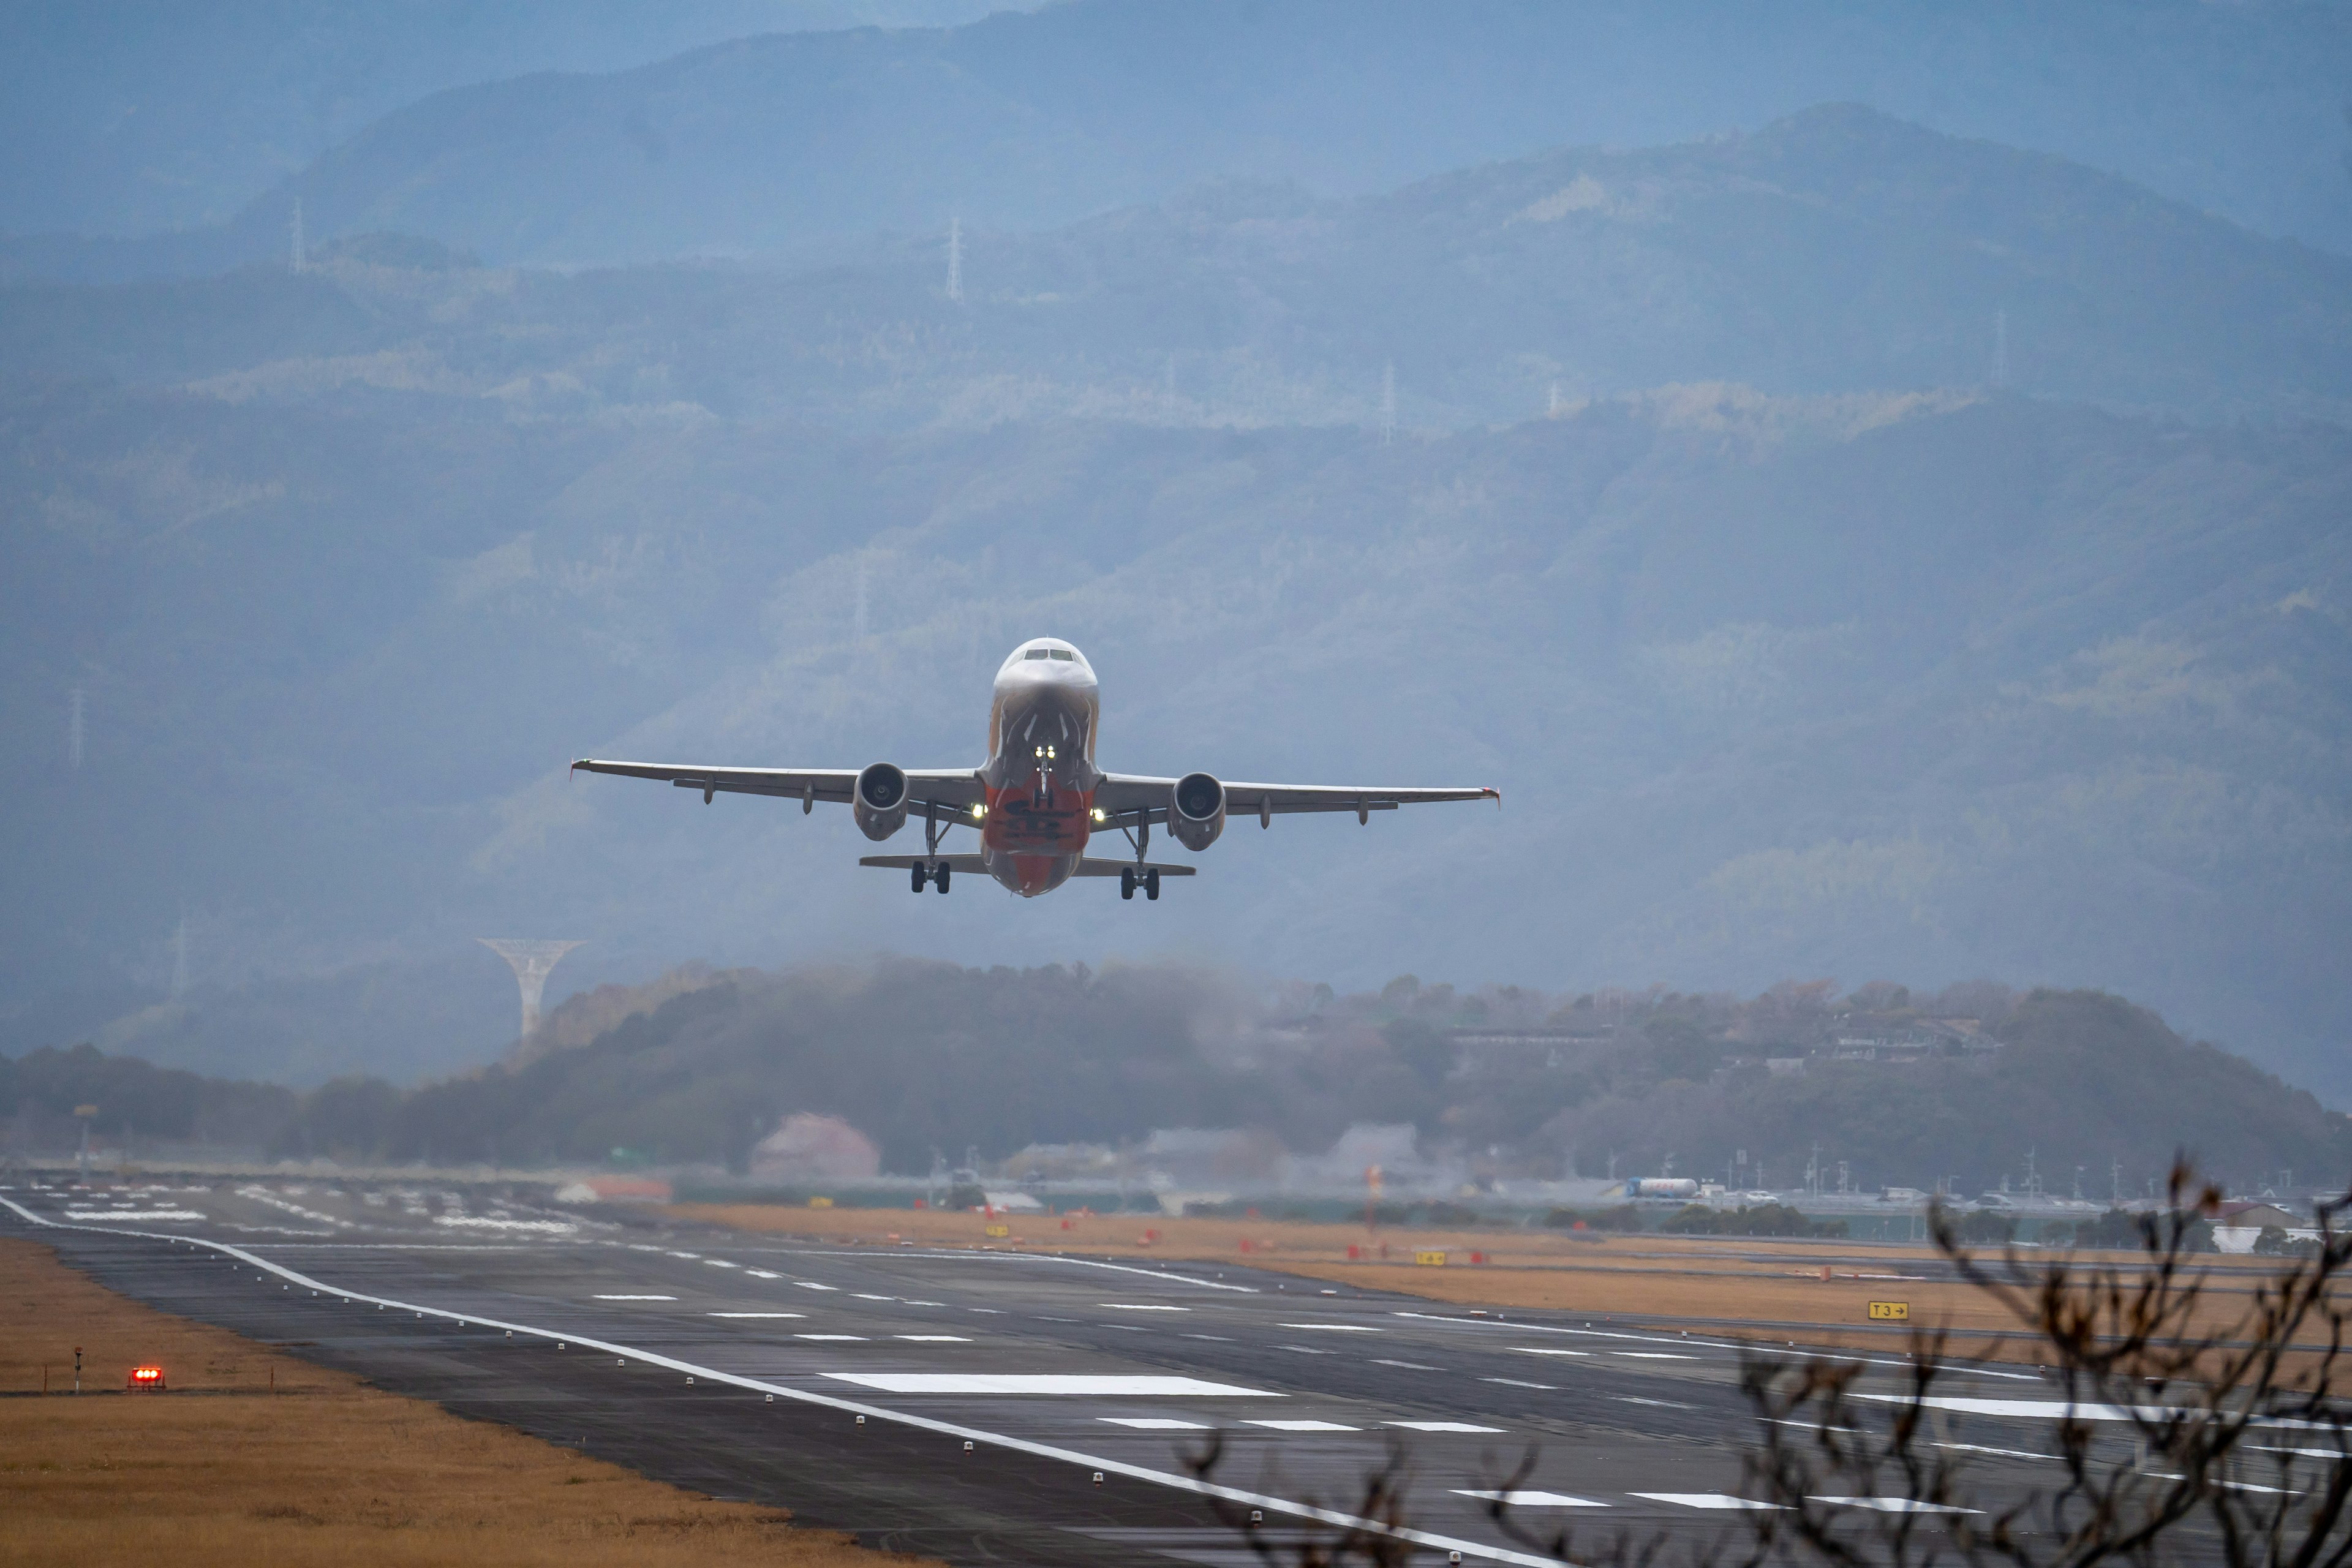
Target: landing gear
1151	884
936	874
939	877
1127	881
916	879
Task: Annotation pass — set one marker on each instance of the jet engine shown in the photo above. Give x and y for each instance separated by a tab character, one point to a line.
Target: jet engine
879	802
1196	811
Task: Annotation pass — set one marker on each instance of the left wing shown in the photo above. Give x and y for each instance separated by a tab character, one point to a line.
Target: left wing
958	787
1132	797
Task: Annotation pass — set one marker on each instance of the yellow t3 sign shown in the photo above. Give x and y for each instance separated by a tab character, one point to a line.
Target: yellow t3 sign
1430	1259
1891	1311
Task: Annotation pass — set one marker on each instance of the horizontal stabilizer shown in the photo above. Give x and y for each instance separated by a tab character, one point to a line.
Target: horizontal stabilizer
974	865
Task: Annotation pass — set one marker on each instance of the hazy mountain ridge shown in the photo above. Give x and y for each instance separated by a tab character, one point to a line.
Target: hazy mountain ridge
1837	250
1936	687
780	143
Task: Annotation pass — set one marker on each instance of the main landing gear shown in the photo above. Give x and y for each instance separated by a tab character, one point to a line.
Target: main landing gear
935	874
1129	881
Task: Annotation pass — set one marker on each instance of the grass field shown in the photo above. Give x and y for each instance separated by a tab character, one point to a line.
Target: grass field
1731	1286
223	1472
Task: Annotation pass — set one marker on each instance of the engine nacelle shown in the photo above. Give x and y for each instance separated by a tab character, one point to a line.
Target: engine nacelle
880	801
1196	811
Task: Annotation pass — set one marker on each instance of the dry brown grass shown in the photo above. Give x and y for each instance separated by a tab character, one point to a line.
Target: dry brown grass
1720	1285
220	1473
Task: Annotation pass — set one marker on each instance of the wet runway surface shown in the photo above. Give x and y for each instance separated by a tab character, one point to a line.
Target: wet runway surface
960	1403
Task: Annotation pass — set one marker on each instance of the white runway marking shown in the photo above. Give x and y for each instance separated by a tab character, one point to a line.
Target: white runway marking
761	1274
1896	1505
1440	1427
1705	1500
635	1298
812	1285
690	1256
1477	1549
1538	1349
127	1214
1653	1355
1155	1423
759	1314
1221	1338
1530	1499
1140	1307
915	1303
1515	1383
1408	1365
1304	1426
841	1338
1999	1453
862	1296
721	1263
935	1339
1333	1328
1306	1350
1101	1385
1661	1404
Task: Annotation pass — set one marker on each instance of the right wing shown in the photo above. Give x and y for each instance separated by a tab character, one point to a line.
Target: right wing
957	788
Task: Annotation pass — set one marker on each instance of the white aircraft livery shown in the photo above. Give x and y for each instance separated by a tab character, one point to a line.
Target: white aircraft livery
1039	798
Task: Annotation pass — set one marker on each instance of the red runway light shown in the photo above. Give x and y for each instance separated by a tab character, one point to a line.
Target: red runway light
146	1377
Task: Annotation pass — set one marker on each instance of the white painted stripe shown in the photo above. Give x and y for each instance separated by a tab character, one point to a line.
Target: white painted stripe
1440	1427
862	1296
1333	1328
1302	1425
634	1298
759	1314
936	1339
1896	1505
812	1285
1044	1382
128	1213
761	1274
1705	1500
1539	1350
1155	1423
1653	1355
1529	1499
721	1263
1198	1487
1706	1344
1515	1383
858	1339
1140	1307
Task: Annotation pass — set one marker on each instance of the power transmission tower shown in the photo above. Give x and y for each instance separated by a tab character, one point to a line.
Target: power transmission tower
531	963
955	259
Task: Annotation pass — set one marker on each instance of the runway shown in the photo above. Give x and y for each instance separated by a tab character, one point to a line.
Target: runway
962	1403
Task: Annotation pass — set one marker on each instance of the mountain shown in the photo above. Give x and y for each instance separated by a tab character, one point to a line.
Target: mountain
793	143
1937	685
133	117
1833	251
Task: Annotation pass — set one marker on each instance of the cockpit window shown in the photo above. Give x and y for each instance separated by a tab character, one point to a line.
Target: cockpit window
1063	653
1034	653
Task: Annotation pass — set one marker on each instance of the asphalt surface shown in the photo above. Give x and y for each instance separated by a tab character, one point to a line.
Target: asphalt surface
960	1403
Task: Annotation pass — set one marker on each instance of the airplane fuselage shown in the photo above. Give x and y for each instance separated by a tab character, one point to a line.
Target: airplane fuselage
1040	778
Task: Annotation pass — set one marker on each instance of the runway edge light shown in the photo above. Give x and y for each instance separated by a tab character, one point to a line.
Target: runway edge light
146	1377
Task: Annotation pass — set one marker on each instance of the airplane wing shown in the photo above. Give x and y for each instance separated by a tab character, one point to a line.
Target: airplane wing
1132	797
954	787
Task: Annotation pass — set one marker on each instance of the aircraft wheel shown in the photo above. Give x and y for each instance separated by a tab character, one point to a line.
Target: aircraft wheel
1152	885
1127	881
916	878
939	877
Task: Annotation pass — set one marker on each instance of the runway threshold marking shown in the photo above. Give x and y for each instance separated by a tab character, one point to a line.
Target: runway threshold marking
1441	1426
1155	1423
1708	1500
1703	1344
1304	1426
1527	1500
1049	1382
1483	1551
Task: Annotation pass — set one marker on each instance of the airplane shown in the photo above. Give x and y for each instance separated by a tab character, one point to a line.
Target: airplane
1039	798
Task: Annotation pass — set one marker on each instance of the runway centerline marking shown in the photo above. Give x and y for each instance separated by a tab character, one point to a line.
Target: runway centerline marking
1302	1425
858	1339
1156	1422
1660	1403
1408	1365
1539	1350
1515	1383
1442	1426
1138	1307
862	1296
1895	1505
1333	1328
1527	1500
759	1314
1114	1384
632	1298
1192	1484
935	1339
1707	1499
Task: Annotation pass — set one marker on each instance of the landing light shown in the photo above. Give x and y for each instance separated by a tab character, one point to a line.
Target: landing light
1098	815
979	808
